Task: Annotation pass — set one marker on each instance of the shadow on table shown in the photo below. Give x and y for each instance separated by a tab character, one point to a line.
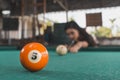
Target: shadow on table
21	73
62	75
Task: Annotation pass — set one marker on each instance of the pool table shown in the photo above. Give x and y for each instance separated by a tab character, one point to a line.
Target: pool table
84	65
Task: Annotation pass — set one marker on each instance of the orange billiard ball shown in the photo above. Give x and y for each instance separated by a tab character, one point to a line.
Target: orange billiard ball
34	56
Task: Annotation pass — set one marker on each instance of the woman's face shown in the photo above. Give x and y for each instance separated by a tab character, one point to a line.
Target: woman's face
72	33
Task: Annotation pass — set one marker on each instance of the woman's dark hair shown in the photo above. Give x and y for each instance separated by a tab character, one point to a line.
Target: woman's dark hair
84	36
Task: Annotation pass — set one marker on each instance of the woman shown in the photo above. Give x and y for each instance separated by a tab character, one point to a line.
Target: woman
80	38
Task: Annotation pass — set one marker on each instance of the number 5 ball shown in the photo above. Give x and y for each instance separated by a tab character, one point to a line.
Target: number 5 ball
34	57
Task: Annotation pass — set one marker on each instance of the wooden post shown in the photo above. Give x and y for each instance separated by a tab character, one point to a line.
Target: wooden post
22	18
44	9
34	17
67	16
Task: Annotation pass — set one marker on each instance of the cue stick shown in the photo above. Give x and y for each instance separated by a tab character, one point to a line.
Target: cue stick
71	44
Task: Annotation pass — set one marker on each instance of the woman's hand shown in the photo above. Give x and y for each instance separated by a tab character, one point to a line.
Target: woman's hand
78	46
74	49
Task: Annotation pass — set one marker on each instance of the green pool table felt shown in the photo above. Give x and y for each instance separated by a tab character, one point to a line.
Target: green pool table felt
84	65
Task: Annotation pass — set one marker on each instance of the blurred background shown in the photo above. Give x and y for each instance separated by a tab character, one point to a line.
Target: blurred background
24	21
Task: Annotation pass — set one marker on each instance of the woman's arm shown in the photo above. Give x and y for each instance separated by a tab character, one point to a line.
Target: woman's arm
78	45
82	44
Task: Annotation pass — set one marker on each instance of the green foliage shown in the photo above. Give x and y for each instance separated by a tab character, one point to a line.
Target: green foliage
71	19
103	32
49	23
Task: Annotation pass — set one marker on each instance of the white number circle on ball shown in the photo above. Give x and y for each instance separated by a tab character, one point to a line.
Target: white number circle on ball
34	56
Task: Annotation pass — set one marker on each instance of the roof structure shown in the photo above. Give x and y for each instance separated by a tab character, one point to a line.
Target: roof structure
55	5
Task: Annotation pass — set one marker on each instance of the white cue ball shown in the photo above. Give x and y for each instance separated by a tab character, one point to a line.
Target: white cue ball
61	50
